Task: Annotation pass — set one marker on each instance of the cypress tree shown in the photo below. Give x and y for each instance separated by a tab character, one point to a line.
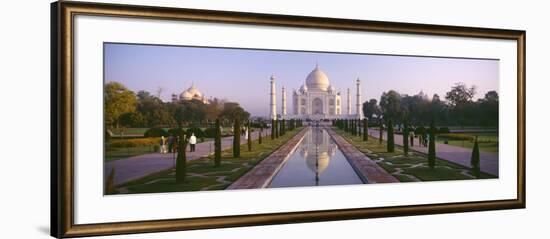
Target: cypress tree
406	136
355	127
474	162
381	132
358	126
272	129
391	143
218	144
237	138
277	128
283	127
260	135
431	146
249	140
181	160
346	123
110	183
365	129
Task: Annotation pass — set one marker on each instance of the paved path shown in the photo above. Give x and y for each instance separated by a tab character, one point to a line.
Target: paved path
138	166
262	174
459	155
366	168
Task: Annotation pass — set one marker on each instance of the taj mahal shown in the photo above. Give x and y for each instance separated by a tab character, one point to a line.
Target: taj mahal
316	99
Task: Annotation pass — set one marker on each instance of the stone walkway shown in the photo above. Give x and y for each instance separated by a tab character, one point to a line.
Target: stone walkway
367	169
261	175
138	166
455	154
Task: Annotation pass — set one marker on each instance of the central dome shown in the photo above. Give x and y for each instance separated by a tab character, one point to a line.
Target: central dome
317	80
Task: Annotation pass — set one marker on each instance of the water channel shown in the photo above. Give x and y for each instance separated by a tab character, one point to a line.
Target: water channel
316	161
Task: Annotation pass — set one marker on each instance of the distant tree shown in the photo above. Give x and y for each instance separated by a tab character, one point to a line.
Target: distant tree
431	146
390	105
371	108
214	109
488	109
460	93
390	139
232	111
474	160
460	99
191	111
118	100
365	129
133	119
438	108
218	144
236	138
405	136
181	160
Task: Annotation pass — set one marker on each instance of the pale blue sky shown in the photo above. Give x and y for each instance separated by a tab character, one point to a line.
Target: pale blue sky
242	75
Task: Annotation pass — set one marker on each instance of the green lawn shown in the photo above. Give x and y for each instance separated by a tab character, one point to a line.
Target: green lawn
203	175
411	167
487	142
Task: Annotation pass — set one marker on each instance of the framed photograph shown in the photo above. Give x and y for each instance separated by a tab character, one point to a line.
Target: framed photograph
170	119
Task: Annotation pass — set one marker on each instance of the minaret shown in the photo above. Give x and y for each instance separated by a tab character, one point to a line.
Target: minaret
349	103
358	104
273	103
283	107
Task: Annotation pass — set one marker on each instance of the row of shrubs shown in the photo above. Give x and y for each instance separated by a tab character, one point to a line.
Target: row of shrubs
440	131
136	142
456	136
199	133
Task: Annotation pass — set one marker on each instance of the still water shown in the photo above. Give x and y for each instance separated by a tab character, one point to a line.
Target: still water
316	161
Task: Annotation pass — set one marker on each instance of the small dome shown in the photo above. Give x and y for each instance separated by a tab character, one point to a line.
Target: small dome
303	88
317	80
186	95
331	88
191	93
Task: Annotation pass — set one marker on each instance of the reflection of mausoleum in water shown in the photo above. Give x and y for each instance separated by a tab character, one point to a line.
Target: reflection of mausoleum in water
317	149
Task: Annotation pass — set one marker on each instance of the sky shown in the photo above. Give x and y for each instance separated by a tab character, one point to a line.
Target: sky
243	75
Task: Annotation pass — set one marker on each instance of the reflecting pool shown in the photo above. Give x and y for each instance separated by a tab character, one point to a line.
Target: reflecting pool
316	161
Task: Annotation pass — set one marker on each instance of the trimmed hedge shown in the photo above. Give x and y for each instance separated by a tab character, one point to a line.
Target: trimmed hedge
194	130
176	131
456	136
138	142
444	130
210	133
155	132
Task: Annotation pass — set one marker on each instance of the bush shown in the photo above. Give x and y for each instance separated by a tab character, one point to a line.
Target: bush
138	142
176	131
444	130
456	136
210	132
155	132
419	130
194	130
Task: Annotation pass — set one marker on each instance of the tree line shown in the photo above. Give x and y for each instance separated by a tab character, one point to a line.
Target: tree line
124	108
457	109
